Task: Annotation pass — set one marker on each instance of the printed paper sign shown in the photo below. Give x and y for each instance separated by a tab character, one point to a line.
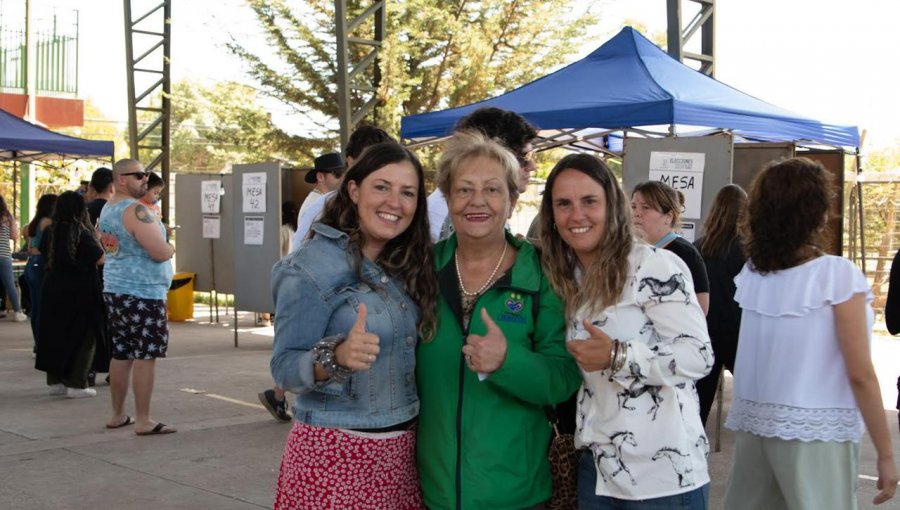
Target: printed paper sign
253	230
688	231
253	191
210	197
211	227
684	172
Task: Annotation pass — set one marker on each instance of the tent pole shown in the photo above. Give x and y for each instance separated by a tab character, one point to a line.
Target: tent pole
26	182
671	129
862	226
15	197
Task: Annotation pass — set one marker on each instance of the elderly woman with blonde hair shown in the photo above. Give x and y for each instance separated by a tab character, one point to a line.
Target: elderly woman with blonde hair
498	356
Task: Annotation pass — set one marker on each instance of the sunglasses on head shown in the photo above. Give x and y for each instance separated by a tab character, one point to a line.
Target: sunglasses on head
139	176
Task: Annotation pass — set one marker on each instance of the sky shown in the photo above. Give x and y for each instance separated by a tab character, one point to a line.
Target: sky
832	60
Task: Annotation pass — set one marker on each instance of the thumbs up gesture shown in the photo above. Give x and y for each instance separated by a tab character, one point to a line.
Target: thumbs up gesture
360	350
591	354
486	353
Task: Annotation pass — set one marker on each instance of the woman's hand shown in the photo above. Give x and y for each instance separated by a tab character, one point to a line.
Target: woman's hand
485	354
360	350
887	480
591	354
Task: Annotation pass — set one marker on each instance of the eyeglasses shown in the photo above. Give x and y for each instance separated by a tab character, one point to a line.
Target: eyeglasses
138	176
525	159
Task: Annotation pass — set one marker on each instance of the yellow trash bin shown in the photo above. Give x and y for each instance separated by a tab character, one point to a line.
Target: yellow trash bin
180	299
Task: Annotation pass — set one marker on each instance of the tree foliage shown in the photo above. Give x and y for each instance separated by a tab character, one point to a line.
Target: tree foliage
214	126
437	54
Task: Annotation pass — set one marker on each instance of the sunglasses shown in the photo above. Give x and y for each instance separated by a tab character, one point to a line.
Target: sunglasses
138	176
525	159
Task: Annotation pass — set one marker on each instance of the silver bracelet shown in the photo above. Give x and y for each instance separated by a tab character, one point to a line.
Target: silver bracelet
621	357
323	354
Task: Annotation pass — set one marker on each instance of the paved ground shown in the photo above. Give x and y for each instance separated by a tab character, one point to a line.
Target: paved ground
56	454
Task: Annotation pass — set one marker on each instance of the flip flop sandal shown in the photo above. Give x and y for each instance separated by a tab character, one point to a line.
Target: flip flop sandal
128	421
159	429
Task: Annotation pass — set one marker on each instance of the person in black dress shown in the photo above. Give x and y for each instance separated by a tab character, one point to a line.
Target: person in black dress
71	300
892	308
101	190
724	257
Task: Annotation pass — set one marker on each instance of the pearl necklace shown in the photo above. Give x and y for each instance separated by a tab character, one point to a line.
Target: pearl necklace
490	279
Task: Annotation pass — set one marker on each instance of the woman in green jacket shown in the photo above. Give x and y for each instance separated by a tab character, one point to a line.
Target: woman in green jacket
498	356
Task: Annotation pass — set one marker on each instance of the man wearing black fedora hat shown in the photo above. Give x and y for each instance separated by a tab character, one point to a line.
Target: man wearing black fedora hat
326	175
362	137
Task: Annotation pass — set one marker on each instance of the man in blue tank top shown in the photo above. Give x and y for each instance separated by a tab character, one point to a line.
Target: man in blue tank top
136	277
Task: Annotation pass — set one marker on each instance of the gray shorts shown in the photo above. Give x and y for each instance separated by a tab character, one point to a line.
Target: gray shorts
138	327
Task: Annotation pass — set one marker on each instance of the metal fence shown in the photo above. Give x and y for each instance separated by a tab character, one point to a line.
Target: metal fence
56	59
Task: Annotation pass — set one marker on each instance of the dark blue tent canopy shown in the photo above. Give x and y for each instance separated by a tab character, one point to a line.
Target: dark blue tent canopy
629	82
21	140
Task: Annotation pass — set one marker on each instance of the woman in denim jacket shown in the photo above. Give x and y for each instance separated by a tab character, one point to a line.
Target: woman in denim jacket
351	304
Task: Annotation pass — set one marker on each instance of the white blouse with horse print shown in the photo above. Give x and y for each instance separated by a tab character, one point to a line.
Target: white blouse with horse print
643	423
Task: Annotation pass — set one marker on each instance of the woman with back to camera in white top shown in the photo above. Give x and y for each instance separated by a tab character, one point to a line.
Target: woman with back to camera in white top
804	371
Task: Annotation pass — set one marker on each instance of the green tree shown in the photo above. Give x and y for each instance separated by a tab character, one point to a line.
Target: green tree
437	54
213	126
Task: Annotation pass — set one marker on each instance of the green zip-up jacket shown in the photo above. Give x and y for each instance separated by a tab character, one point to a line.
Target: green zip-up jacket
483	444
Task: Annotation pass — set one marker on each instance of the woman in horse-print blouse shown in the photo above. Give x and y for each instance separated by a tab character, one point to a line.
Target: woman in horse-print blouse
639	337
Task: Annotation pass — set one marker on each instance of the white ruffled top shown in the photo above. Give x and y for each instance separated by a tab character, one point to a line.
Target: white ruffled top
790	380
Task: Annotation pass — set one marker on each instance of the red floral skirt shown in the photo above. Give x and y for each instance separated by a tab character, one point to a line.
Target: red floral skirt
328	469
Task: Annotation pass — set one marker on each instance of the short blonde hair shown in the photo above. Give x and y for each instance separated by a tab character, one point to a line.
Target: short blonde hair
472	144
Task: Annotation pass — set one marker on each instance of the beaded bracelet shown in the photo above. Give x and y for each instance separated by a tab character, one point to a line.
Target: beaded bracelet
323	354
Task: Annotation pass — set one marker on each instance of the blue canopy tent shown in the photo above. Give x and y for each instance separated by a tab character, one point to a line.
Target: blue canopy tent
627	83
23	141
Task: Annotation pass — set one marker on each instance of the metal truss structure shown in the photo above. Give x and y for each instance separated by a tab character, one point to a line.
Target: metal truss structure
357	79
679	36
149	86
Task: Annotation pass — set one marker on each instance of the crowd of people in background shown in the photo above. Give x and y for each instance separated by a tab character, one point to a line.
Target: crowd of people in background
429	350
97	270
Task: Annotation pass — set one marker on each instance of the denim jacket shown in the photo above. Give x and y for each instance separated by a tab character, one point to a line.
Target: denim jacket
317	294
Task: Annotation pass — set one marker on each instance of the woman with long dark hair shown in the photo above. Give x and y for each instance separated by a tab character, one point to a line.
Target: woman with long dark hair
803	373
724	257
9	232
638	334
34	267
351	304
71	299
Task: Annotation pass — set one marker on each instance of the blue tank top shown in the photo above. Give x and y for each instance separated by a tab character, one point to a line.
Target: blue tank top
129	269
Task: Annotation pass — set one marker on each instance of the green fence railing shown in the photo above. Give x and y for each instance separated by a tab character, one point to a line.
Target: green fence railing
56	60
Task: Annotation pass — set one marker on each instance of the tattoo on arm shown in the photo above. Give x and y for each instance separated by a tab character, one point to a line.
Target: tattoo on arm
143	214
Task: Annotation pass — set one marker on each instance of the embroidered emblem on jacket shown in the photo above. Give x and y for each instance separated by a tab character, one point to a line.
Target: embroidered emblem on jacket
514	303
